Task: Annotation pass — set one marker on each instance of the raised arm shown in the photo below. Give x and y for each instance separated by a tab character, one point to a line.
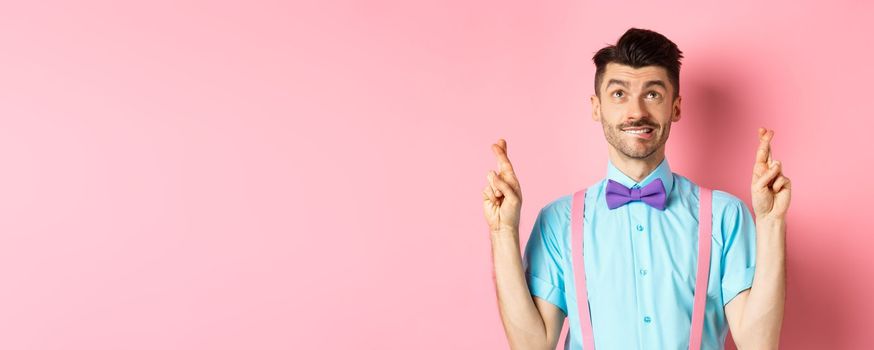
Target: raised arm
756	315
529	322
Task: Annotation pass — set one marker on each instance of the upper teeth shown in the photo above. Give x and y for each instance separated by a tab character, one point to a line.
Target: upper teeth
638	131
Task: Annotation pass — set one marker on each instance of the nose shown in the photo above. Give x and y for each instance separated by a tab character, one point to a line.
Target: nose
637	110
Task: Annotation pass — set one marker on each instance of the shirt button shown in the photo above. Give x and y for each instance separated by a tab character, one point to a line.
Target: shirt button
647	319
639	227
643	272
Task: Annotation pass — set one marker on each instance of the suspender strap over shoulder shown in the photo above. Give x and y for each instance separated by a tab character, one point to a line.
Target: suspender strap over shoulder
701	280
577	210
704	228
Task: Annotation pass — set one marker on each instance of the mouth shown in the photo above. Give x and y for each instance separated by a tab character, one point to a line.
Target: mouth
639	132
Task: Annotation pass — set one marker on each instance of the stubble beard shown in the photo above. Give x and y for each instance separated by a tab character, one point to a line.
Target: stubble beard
617	138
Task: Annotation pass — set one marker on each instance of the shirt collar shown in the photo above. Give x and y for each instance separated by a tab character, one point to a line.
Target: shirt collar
663	171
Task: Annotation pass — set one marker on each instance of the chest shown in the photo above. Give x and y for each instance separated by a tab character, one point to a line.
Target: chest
636	249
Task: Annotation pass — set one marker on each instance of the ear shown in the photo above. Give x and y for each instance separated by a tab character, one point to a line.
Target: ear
596	108
676	109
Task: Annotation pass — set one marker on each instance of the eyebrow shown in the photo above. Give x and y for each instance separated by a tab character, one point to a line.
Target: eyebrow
624	83
616	81
655	82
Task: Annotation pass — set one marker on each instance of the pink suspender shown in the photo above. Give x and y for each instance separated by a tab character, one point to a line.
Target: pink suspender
704	226
577	210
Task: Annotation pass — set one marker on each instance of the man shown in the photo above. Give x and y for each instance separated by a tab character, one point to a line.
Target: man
640	258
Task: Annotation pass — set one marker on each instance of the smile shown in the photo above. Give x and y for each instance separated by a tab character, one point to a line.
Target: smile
644	133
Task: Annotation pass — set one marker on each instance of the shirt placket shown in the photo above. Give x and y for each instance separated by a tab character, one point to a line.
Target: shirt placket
641	238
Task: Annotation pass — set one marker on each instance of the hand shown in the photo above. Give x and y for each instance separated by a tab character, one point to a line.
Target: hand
770	188
502	197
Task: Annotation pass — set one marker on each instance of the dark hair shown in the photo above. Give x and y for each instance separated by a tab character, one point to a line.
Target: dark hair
639	48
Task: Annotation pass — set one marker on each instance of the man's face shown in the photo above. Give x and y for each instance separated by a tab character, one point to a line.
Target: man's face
636	109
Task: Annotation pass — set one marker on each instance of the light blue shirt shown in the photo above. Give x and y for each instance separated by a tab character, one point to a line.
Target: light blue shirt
641	262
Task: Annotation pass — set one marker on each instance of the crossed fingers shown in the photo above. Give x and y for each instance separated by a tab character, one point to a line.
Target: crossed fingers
768	173
763	154
505	171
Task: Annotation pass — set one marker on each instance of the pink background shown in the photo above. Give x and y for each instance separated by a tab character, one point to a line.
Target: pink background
245	175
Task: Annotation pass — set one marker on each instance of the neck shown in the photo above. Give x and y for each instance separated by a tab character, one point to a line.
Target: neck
636	168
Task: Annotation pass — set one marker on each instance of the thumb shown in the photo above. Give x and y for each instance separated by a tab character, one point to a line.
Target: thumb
505	188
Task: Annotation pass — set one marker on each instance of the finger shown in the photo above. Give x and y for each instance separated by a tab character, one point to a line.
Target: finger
768	176
502	144
500	162
504	165
780	183
505	188
764	149
492	176
489	194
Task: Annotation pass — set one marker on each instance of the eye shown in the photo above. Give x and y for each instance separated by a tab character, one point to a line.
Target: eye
653	94
619	92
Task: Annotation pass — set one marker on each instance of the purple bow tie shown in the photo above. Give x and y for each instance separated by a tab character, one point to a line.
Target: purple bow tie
652	194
